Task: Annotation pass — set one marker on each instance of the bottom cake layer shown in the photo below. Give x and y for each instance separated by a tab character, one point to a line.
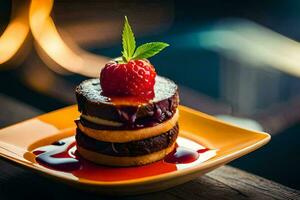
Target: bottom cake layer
103	159
128	149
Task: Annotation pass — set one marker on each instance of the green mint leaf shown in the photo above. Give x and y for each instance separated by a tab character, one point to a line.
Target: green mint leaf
128	41
149	49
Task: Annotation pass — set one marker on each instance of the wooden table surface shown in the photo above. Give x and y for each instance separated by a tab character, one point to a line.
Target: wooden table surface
223	183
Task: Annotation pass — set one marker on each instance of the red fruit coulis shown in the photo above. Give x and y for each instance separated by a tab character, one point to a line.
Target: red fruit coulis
62	156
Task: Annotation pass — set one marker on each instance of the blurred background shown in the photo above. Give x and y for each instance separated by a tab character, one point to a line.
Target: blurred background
237	60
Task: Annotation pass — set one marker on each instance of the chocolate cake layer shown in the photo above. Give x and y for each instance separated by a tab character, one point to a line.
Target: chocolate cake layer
138	124
127	110
134	148
125	161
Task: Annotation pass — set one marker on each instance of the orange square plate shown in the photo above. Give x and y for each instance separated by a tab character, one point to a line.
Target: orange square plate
227	142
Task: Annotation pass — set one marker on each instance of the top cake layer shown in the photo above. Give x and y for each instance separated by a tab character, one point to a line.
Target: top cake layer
91	102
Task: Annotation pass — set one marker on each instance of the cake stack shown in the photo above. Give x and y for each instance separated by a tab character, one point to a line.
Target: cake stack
125	131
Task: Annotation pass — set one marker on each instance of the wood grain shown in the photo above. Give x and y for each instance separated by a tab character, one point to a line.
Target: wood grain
13	111
223	183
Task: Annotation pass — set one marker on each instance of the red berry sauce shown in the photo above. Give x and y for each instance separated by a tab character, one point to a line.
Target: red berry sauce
62	156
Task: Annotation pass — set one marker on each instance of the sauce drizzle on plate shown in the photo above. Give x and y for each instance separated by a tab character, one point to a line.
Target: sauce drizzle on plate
62	156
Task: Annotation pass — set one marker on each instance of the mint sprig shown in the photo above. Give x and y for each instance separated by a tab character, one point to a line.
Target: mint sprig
149	49
144	51
128	41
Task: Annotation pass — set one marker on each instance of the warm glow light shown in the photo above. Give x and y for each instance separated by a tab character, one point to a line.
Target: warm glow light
16	32
46	35
240	39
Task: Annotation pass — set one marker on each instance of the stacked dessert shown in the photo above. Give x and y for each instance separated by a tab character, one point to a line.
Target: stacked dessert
128	116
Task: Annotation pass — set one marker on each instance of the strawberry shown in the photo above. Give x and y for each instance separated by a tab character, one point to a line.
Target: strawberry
135	78
132	74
